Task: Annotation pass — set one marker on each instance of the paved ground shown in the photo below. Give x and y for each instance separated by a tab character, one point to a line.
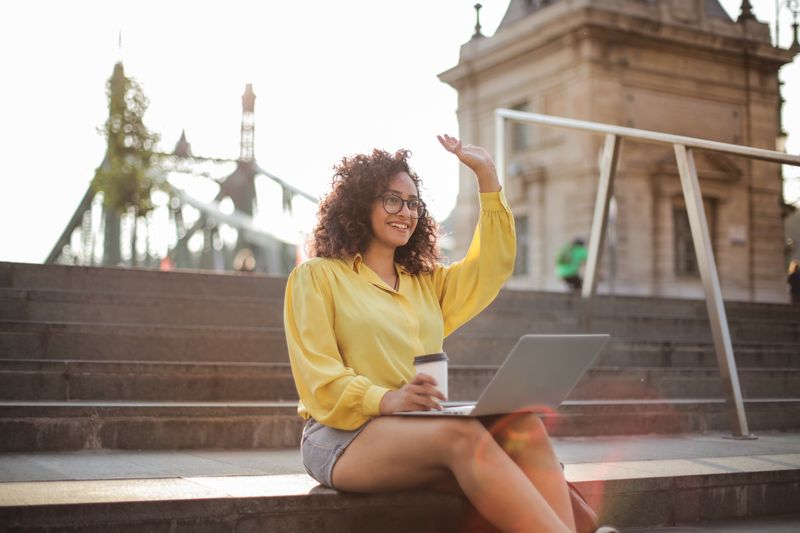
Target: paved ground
586	458
784	524
116	475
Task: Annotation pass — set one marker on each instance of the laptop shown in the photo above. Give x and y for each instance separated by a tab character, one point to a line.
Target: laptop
537	375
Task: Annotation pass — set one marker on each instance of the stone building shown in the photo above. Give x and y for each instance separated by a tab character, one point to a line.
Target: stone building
676	66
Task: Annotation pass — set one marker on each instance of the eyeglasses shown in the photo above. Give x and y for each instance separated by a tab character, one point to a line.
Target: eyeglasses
393	204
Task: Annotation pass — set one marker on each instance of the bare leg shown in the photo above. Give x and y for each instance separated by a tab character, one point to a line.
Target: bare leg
524	438
394	453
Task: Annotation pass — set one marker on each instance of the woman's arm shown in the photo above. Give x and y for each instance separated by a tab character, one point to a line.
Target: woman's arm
330	391
468	286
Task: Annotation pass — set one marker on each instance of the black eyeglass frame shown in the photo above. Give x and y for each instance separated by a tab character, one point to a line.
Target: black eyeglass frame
418	212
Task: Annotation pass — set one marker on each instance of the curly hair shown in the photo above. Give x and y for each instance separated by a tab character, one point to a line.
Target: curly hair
343	222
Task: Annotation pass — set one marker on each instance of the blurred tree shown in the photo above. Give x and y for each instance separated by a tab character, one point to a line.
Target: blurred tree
126	175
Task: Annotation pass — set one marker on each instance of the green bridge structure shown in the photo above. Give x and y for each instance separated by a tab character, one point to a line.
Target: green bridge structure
224	238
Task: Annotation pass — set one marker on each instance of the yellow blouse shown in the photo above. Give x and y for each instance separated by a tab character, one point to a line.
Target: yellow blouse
352	337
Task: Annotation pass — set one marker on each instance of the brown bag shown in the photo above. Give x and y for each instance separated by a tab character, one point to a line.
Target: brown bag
586	520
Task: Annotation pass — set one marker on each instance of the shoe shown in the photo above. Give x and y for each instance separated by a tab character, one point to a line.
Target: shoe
606	529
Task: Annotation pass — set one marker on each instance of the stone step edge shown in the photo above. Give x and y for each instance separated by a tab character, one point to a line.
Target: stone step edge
49	327
467	333
7	267
46	325
244	365
60	502
76	406
178	364
79	297
629	475
293	403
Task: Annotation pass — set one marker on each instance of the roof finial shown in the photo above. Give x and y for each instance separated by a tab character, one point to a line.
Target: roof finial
477	21
119	45
794	7
747	11
183	148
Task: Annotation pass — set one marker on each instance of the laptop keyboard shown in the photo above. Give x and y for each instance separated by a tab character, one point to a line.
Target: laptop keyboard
459	409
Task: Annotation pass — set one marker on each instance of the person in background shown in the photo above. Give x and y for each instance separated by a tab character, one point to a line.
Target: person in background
793	279
372	297
569	262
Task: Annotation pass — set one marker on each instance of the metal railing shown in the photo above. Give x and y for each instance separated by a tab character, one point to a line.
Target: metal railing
683	147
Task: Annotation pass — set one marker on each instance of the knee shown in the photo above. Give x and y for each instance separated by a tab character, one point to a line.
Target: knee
531	424
463	438
521	431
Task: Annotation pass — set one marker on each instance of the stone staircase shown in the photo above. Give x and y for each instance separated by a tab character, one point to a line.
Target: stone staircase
95	359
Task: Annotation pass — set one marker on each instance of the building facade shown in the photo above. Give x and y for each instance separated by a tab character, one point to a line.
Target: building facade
676	66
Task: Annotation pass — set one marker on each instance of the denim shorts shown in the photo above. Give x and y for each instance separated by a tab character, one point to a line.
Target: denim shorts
321	446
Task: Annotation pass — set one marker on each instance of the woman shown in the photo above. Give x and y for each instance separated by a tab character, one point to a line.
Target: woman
372	298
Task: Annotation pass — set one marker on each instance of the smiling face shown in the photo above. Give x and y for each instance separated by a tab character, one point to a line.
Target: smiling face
393	231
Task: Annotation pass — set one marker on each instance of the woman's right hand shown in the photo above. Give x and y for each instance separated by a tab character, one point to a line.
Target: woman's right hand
418	395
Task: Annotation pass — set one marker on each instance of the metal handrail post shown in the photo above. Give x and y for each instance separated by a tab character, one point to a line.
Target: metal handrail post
500	147
697	221
708	273
605	189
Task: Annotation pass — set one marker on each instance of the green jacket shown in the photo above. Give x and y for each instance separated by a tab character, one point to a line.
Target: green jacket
570	259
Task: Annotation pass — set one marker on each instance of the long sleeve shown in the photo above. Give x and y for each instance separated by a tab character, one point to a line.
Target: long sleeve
329	391
466	287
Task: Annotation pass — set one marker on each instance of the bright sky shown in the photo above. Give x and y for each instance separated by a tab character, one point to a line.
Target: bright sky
331	79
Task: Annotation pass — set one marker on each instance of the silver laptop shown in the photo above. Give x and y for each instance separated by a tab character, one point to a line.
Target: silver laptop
537	375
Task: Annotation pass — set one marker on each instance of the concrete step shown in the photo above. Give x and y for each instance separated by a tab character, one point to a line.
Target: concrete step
492	348
138	308
745	329
784	523
293	503
141	308
153	381
125	342
145	381
148	342
613	383
520	301
233	285
170	309
39	426
140	280
640	352
635	482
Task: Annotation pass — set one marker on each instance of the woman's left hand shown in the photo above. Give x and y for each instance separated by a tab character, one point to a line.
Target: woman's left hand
477	158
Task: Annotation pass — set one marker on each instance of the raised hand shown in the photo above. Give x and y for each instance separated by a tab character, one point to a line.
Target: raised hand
476	158
418	395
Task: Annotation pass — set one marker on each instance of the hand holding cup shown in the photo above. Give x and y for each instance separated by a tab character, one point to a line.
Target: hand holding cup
418	395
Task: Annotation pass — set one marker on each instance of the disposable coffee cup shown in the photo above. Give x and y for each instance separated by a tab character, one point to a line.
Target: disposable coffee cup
434	364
